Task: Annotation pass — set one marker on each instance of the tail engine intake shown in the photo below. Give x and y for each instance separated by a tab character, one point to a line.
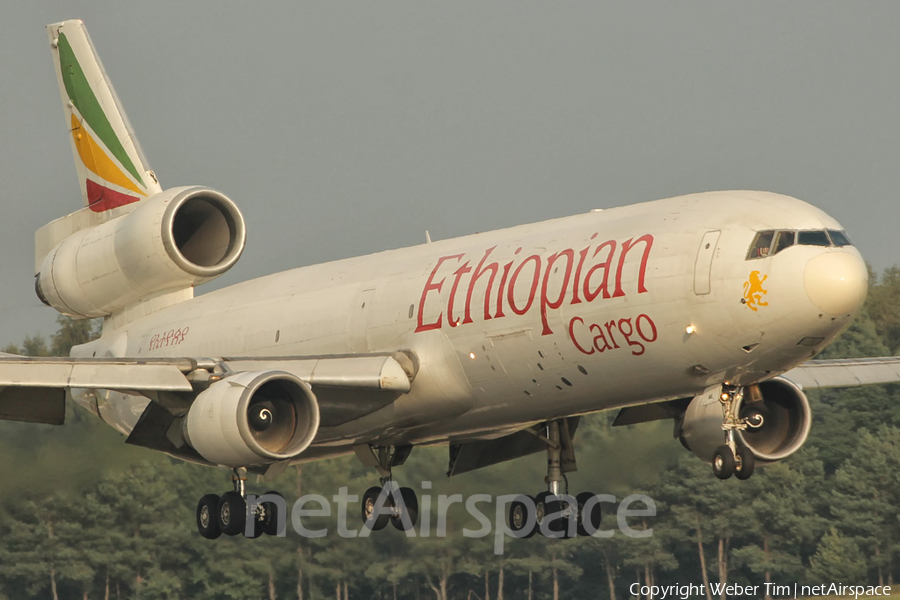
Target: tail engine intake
174	240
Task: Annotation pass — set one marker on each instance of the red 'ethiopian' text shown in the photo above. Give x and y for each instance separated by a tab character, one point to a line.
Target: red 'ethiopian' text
536	283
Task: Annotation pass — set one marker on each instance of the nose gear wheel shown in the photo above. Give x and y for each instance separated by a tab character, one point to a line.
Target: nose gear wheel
733	458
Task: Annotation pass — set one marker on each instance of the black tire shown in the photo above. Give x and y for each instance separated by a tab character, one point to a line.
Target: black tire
588	523
518	518
409	505
369	502
744	463
207	517
540	510
270	519
232	513
556	527
723	462
255	527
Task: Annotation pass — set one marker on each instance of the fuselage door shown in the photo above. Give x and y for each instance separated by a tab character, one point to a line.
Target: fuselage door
703	266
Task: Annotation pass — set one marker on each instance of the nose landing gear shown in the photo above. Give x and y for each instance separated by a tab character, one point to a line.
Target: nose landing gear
733	458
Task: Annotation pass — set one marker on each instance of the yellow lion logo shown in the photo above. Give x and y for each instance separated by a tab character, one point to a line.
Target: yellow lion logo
753	291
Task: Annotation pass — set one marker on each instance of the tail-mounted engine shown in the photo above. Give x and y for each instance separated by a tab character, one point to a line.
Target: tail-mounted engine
770	419
252	418
174	240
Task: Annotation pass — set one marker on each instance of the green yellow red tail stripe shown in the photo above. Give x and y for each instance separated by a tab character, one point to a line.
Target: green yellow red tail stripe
97	161
111	169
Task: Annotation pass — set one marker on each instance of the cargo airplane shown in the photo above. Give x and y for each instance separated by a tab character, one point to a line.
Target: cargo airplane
705	309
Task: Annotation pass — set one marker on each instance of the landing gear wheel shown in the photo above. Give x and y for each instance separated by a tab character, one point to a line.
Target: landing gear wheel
269	522
540	509
369	504
755	414
256	528
588	522
723	462
232	513
744	463
409	505
207	520
558	524
518	517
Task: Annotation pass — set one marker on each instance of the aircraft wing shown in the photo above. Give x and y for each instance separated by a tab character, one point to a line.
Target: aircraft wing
347	386
848	372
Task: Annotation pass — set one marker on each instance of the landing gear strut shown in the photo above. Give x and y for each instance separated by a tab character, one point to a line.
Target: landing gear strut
733	458
555	512
230	513
387	503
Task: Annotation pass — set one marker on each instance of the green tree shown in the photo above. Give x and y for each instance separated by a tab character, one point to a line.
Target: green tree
29	561
35	345
779	519
883	306
866	497
72	332
837	559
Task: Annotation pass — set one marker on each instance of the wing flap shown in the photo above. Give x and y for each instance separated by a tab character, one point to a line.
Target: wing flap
851	372
33	405
94	373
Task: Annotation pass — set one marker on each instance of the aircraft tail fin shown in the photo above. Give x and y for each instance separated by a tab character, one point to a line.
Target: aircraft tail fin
112	170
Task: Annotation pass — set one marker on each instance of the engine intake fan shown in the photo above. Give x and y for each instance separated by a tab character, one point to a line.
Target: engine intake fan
253	418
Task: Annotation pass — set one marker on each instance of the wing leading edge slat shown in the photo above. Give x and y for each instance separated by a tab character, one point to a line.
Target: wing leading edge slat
851	372
347	386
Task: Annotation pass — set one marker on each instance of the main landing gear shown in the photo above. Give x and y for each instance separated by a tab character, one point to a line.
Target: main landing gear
554	513
733	458
387	503
230	513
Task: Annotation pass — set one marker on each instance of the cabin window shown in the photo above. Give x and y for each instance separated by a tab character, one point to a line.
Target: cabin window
760	246
772	242
784	240
838	238
813	238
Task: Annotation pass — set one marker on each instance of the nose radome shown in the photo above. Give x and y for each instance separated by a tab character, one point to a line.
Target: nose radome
836	282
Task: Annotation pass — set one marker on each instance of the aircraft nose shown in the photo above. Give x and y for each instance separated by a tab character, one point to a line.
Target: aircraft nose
836	282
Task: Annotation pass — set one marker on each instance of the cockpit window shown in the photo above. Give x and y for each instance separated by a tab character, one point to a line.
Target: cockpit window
813	238
784	240
772	242
761	244
838	238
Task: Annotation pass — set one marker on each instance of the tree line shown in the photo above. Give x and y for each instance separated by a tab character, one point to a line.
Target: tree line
82	515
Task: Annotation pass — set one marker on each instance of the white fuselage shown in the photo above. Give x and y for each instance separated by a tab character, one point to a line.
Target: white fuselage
570	316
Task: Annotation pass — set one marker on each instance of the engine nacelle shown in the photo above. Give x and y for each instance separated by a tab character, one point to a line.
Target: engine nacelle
784	429
174	240
252	418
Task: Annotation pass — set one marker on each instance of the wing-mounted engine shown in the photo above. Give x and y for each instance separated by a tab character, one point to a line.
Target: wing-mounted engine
173	240
252	418
777	413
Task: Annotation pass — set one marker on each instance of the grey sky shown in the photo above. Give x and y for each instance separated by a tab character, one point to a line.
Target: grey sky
350	127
